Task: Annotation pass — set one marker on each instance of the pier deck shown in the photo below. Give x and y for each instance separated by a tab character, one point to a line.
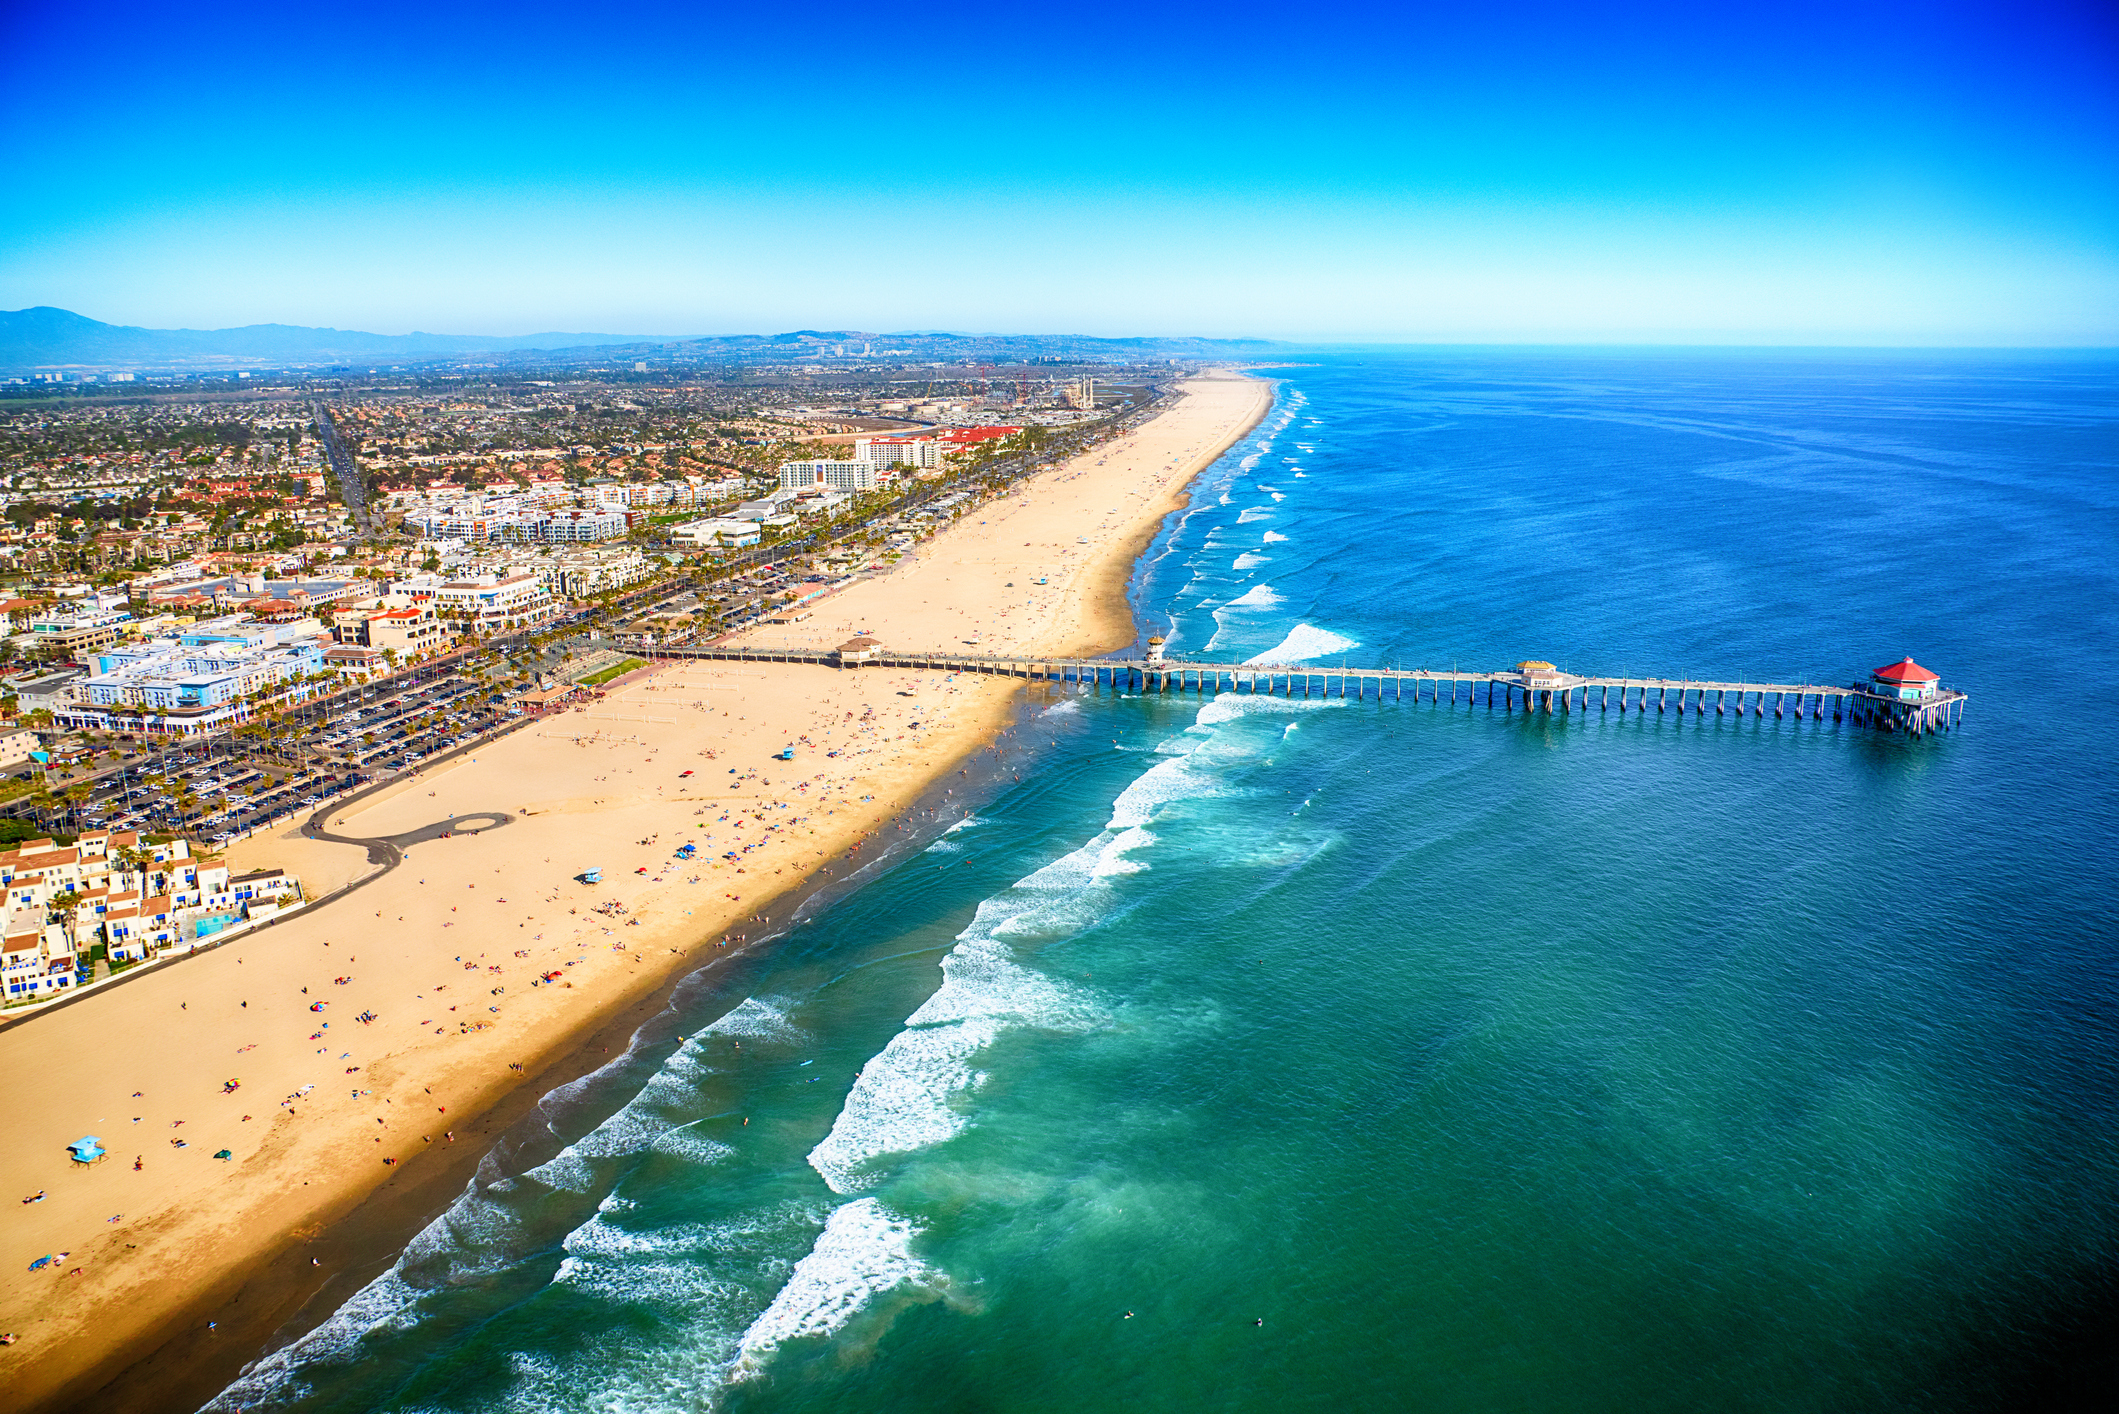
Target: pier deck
1564	694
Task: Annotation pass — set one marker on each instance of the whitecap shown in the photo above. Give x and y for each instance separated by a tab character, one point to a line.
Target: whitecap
864	1251
1305	641
1250	559
1253	514
1271	537
1258	596
905	1097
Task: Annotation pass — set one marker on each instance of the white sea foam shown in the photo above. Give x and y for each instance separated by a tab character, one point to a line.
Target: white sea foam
684	1143
1304	642
905	1097
1258	596
762	1018
1231	705
864	1251
385	1303
1250	559
911	1095
1254	513
660	1105
700	1283
1271	537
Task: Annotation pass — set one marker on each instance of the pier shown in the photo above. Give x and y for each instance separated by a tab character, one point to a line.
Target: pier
1529	687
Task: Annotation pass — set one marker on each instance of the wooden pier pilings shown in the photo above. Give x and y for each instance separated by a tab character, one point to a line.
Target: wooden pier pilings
1854	704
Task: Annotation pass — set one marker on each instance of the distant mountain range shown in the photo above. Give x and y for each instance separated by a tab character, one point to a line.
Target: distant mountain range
47	338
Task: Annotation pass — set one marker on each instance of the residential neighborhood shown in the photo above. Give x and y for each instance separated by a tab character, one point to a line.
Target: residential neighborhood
228	600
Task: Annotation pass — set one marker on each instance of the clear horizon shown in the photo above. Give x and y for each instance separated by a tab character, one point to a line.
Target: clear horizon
1891	176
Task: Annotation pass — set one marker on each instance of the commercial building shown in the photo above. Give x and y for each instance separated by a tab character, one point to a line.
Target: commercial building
408	630
212	675
72	632
716	532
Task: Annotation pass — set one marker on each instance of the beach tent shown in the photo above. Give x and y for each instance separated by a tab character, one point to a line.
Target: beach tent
225	1154
87	1149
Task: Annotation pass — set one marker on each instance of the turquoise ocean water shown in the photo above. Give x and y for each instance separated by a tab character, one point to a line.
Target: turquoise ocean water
1257	1055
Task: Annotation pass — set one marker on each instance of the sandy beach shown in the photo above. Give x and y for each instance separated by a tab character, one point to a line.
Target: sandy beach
369	1046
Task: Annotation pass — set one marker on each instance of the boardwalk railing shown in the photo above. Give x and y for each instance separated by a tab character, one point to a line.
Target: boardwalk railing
1510	691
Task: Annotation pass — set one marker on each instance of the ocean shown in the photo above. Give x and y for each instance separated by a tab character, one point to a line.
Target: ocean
1249	1054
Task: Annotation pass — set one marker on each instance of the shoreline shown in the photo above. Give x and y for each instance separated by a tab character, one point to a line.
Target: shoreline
269	1296
279	1299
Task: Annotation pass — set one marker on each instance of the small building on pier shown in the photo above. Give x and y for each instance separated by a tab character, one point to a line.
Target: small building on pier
1541	676
1906	681
856	651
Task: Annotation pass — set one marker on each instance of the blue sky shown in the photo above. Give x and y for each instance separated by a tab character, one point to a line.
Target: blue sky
1770	173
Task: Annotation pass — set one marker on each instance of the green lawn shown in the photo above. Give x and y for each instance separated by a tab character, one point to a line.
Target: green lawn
616	670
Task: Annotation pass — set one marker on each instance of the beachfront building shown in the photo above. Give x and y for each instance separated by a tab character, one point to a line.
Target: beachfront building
209	676
408	630
37	959
131	898
580	573
1905	680
490	602
958	439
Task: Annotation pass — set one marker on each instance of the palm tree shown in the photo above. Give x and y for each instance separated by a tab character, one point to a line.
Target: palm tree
77	793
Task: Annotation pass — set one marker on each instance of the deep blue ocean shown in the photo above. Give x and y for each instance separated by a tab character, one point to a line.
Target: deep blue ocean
1256	1055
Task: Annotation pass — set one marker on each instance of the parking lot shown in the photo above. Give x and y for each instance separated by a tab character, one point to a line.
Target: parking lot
231	785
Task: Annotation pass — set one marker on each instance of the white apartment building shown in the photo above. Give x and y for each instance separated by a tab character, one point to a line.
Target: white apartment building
140	900
495	601
585	572
924	453
838	476
573	527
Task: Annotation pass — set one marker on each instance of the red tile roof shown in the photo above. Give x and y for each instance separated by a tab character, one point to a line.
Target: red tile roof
1905	670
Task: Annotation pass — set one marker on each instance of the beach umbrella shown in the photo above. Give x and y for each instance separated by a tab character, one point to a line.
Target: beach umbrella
225	1154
